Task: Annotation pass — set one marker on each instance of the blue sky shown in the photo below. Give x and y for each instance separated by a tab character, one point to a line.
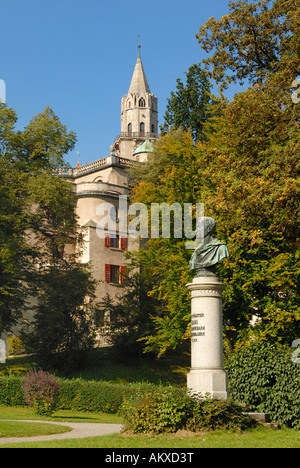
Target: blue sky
78	56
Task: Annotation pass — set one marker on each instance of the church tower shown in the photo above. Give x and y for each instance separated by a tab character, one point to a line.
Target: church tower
139	114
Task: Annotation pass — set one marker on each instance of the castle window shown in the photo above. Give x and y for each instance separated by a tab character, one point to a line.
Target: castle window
129	129
142	127
142	102
115	274
152	128
113	240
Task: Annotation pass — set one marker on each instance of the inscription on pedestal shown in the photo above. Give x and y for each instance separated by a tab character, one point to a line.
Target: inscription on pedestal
207	375
196	329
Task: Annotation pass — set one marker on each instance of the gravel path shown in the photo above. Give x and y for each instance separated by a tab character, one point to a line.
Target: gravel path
79	431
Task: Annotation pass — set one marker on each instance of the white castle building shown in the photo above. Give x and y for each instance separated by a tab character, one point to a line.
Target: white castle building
105	180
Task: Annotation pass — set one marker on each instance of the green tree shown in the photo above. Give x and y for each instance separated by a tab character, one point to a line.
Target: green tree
171	175
252	161
38	235
254	196
253	166
15	253
246	173
255	41
188	106
42	144
130	315
63	332
53	221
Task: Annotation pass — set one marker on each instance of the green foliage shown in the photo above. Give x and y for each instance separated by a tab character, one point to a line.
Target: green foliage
64	317
172	174
93	396
253	41
129	316
188	107
53	218
39	267
27	183
170	410
76	394
41	392
44	142
15	345
253	195
251	188
14	252
264	376
11	391
246	172
17	366
158	411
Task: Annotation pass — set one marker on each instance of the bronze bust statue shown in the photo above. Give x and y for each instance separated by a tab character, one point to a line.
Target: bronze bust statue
210	251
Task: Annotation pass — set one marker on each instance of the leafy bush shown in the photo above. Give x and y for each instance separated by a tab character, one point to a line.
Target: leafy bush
11	391
156	411
218	414
76	394
41	392
15	346
169	410
265	377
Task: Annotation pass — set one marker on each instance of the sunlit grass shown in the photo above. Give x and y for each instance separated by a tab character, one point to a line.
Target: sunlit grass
59	416
256	438
29	429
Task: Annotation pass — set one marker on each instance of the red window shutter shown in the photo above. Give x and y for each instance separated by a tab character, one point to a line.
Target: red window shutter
123	274
107	240
107	273
123	243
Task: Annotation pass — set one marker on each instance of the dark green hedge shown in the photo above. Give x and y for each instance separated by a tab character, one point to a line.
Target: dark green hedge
11	391
94	396
264	376
75	394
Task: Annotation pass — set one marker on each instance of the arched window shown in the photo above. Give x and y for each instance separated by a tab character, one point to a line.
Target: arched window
152	128
129	129
142	102
142	127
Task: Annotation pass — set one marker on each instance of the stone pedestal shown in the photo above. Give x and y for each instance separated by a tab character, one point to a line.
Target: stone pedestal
207	374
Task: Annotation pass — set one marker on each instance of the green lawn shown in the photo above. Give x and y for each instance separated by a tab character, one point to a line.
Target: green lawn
258	438
17	428
262	437
7	412
26	429
103	367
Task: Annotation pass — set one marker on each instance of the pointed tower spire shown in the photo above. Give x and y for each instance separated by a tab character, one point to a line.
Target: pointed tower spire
139	83
139	114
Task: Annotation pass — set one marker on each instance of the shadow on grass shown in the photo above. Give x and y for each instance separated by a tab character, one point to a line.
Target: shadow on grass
104	365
